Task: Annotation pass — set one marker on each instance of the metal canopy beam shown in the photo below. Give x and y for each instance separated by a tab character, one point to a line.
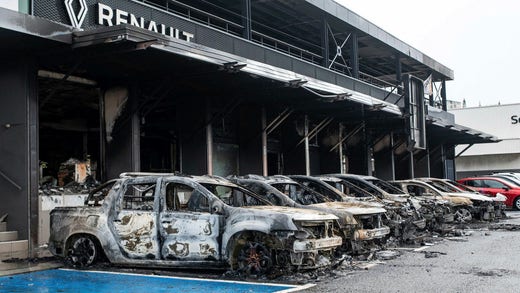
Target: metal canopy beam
3	175
316	130
278	120
464	150
350	135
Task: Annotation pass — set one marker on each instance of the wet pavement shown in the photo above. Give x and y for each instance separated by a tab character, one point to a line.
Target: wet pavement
480	260
482	257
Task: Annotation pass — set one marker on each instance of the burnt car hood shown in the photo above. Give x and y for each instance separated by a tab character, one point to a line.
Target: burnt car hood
297	214
368	202
350	207
398	197
499	197
472	196
458	200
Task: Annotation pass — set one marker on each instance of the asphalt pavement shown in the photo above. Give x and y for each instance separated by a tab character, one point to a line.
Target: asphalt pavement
483	260
479	260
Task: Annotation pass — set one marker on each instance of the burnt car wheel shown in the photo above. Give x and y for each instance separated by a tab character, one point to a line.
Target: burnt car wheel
516	203
463	215
82	252
254	258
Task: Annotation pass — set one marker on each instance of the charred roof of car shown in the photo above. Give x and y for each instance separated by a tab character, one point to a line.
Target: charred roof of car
151	174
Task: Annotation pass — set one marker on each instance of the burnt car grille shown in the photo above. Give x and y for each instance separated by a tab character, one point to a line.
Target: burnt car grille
318	229
369	221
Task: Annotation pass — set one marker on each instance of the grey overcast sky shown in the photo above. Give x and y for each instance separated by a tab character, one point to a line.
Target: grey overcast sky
478	39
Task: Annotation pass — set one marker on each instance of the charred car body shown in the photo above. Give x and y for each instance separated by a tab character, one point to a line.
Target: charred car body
437	213
361	225
483	206
404	217
322	185
499	200
189	221
463	207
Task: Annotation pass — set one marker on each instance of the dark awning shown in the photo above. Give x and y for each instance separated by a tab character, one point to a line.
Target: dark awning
455	134
20	32
142	38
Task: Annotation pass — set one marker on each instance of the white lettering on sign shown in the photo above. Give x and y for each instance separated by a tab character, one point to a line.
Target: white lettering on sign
121	16
105	15
110	17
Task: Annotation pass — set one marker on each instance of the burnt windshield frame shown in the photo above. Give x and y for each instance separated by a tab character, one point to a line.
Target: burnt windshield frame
319	198
359	192
104	188
385	186
247	192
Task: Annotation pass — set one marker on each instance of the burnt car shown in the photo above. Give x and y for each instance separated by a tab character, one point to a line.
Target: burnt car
322	185
169	220
463	207
404	217
483	206
499	200
445	209
360	224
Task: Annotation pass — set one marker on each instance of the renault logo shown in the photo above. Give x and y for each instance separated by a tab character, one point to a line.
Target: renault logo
76	19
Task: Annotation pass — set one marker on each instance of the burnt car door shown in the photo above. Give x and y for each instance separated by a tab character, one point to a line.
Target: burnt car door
188	230
134	221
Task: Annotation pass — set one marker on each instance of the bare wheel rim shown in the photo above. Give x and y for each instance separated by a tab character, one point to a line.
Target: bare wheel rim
82	252
254	258
463	215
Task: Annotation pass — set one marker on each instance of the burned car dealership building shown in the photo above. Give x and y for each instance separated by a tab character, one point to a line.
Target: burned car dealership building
211	87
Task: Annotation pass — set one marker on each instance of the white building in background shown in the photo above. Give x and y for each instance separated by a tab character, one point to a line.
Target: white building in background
450	105
502	121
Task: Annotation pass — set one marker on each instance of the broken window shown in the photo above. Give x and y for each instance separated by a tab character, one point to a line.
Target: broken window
265	193
365	186
139	196
181	197
347	188
442	186
177	196
321	189
233	196
198	202
417	190
300	194
385	186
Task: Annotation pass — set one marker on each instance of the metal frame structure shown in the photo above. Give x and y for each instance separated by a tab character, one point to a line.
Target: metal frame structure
193	63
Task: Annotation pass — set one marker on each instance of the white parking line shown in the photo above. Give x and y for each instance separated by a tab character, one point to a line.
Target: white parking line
294	289
421	248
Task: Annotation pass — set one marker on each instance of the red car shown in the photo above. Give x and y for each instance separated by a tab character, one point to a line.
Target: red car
494	185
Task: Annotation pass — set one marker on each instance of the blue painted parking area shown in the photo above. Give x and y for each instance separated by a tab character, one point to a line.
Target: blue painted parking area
62	280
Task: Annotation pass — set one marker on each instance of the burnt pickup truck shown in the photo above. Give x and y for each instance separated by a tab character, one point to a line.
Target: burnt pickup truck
144	219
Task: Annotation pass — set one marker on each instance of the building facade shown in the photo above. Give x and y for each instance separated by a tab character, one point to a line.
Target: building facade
502	121
212	87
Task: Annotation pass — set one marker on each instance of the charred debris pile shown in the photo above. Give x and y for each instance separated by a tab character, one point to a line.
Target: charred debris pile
73	176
